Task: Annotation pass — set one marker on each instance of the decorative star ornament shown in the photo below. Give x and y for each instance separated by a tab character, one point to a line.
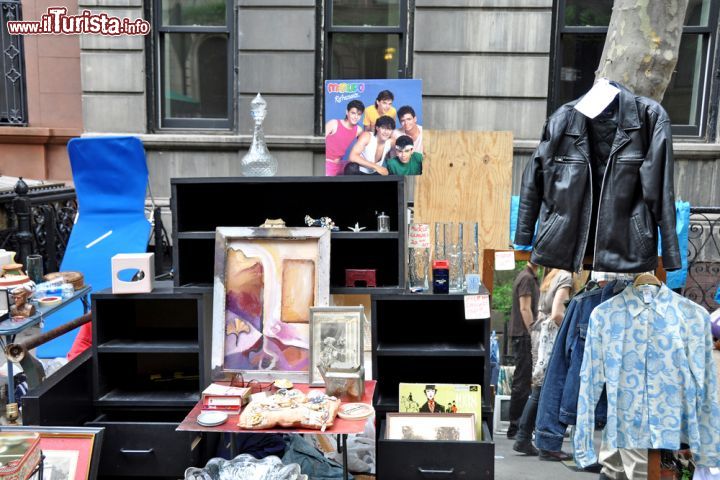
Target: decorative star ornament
357	228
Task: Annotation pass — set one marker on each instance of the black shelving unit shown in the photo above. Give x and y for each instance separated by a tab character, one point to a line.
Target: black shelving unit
200	205
150	361
424	338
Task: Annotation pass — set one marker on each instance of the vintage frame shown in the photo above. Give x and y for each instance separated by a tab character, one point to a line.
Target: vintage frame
423	426
269	258
85	441
353	319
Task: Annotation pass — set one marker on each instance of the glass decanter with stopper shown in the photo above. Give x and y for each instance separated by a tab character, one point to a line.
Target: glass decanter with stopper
258	162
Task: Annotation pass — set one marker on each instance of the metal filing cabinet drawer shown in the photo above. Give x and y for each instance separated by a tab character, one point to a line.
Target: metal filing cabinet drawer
425	460
145	444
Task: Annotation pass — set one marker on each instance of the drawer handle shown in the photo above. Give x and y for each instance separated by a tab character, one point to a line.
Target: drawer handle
426	471
136	452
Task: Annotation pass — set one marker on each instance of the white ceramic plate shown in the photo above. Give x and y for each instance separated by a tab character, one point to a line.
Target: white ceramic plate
212	419
355	411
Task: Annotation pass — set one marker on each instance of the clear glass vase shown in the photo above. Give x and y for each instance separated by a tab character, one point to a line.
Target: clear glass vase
258	162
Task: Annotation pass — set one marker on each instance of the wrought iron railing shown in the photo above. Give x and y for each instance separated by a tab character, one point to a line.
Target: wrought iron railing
13	99
703	278
51	212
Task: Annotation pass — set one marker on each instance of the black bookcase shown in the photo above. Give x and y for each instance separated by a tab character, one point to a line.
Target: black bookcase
199	205
150	363
151	349
425	338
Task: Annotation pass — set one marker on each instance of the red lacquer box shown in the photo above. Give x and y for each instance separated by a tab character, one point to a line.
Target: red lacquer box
19	455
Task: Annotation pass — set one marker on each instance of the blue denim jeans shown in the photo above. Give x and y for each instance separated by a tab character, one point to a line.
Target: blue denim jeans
558	399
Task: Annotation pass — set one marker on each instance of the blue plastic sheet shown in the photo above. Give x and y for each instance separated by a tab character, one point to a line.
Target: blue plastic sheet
110	176
677	278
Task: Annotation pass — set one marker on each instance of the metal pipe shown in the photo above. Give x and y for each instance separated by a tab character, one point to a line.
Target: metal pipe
15	352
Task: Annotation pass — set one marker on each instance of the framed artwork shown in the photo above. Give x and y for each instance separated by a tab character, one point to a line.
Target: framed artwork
443	398
71	453
430	426
266	280
336	339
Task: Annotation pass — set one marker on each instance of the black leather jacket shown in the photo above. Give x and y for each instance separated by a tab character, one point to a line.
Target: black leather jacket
634	197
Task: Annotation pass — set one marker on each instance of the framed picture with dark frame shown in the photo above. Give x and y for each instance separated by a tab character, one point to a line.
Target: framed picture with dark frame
71	453
266	280
430	426
336	339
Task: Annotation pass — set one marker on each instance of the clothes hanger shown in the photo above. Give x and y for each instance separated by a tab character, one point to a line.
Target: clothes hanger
646	279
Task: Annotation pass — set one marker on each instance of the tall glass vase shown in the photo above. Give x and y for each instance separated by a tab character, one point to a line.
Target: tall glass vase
455	250
418	257
471	250
258	162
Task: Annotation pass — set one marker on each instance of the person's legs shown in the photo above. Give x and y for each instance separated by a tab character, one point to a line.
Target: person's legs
352	168
333	169
521	381
635	462
612	463
527	420
526	425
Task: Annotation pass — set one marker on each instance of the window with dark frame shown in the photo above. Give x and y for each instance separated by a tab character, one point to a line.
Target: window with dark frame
194	61
13	92
365	39
580	30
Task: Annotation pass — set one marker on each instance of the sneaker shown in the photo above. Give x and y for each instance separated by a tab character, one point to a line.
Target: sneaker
525	447
512	431
551	456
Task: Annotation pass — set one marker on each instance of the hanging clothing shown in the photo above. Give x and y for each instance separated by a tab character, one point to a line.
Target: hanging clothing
548	329
634	196
559	397
652	350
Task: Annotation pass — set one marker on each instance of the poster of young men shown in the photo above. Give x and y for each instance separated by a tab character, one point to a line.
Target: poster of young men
373	127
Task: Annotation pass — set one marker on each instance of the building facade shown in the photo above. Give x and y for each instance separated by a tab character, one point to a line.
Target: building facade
185	88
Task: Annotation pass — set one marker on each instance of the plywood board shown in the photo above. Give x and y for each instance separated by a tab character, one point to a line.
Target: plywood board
467	177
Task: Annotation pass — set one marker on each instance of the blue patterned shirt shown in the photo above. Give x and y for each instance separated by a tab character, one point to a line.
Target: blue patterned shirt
652	349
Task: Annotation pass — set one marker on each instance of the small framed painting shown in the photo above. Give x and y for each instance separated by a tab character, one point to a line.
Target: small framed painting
336	335
430	426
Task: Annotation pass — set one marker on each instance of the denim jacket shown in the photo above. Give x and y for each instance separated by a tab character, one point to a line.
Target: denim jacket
558	399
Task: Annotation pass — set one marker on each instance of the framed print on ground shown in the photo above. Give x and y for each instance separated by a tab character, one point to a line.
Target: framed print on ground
336	335
266	280
430	426
71	453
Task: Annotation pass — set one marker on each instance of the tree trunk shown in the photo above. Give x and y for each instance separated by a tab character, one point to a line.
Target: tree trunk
641	47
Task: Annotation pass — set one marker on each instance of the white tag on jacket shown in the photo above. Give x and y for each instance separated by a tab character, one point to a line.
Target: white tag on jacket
597	99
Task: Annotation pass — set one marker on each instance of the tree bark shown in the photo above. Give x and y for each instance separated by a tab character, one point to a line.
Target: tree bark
641	47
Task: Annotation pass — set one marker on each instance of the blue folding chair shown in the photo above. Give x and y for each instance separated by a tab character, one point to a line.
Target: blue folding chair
110	175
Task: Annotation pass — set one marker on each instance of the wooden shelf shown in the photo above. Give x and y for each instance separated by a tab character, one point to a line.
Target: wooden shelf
150	346
364	290
431	350
144	398
200	205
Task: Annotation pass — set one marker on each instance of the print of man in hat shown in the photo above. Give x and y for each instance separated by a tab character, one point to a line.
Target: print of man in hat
431	406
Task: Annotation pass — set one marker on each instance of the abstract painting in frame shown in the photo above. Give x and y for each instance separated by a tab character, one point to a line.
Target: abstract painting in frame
266	280
336	339
71	453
